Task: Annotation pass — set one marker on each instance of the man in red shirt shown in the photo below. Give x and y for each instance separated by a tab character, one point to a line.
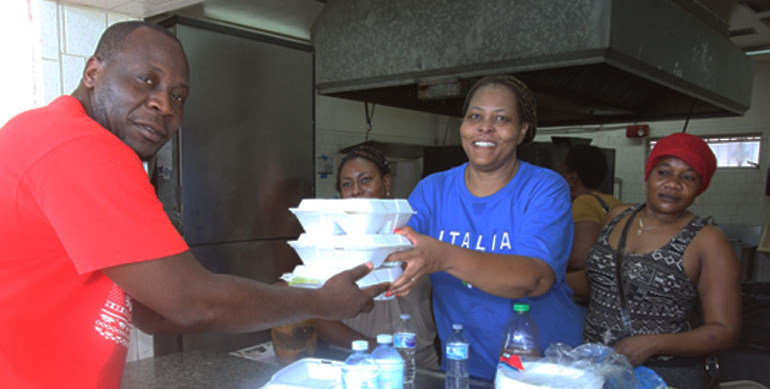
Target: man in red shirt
86	248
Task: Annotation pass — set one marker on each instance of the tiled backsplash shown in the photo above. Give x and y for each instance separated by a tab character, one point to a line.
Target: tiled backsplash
69	37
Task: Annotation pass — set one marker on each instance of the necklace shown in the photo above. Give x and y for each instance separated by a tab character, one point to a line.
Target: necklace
642	228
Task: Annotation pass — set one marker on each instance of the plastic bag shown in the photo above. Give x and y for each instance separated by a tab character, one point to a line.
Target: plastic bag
590	365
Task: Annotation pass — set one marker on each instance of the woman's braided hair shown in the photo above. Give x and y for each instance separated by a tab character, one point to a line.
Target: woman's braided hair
368	153
525	101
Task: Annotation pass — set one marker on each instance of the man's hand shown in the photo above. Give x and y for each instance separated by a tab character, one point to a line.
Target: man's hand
341	298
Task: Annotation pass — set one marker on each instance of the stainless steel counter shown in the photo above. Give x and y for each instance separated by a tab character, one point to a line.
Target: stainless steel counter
206	370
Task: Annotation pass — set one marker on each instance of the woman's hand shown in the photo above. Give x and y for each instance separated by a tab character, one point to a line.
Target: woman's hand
638	349
423	259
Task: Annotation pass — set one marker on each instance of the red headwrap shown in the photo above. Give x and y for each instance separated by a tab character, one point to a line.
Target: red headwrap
689	148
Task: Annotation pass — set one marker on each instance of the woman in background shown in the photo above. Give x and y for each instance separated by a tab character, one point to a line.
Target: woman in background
656	264
365	173
585	168
493	231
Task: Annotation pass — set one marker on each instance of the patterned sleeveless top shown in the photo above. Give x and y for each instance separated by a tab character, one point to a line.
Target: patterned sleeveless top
659	294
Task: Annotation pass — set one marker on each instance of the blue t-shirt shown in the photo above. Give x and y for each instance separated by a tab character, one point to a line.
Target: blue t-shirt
530	216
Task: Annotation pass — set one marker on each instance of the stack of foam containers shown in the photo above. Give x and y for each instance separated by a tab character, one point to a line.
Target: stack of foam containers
344	233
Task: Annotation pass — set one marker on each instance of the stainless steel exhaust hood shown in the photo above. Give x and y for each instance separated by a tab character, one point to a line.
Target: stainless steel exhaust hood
588	61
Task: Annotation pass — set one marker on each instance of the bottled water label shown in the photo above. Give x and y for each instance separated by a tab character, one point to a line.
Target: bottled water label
405	340
360	379
391	376
457	351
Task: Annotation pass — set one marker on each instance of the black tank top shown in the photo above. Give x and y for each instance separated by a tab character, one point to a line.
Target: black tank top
659	294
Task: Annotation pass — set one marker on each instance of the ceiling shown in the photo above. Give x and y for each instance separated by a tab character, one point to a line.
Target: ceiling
749	20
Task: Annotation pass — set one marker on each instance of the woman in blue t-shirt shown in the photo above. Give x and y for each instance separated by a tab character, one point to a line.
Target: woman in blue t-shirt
493	231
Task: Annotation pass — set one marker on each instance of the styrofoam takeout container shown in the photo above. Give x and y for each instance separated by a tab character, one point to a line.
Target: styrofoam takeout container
341	252
308	373
314	277
352	216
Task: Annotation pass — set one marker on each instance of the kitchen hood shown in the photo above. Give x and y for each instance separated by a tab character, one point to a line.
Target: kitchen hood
587	61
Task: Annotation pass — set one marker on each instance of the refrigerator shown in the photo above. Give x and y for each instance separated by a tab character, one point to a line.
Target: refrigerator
242	158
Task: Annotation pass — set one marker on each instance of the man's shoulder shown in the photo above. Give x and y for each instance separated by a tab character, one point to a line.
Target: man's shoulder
38	131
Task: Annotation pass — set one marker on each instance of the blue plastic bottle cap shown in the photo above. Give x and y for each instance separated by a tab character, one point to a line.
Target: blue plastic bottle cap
385	338
457	326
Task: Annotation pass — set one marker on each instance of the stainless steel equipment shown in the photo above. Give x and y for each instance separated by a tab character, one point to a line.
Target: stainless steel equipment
243	157
587	61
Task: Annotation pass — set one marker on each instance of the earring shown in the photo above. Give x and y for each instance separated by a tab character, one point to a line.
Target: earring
644	187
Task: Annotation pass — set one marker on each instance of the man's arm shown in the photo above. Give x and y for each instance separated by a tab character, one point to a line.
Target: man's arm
176	292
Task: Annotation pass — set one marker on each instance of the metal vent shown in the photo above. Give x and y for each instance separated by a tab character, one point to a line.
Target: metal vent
758	6
587	61
745	31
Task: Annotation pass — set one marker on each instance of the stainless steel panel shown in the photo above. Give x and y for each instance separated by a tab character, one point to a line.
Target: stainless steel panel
587	61
247	136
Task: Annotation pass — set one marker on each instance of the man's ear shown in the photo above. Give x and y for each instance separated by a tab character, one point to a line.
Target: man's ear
91	71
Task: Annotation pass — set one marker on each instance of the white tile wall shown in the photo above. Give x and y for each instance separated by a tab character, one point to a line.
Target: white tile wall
69	36
81	28
341	123
20	71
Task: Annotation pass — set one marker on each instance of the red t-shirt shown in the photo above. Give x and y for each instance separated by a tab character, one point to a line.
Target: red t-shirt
74	199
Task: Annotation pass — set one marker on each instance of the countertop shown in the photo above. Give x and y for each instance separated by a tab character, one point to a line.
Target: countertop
206	370
198	369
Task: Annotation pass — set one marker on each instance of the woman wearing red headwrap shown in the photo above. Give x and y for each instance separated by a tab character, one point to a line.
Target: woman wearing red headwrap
664	283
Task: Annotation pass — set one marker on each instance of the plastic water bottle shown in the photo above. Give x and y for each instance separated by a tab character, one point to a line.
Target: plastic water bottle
359	370
457	353
390	363
520	337
405	340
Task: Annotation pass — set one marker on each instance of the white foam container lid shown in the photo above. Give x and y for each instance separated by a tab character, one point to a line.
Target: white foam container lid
311	277
308	373
342	252
352	216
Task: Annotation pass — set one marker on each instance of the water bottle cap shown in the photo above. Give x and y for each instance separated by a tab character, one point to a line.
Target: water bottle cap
404	316
384	338
517	307
359	345
457	326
